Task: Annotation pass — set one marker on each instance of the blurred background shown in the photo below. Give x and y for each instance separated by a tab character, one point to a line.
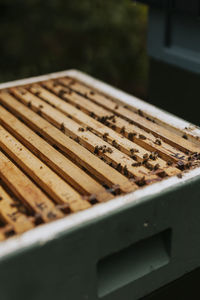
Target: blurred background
104	38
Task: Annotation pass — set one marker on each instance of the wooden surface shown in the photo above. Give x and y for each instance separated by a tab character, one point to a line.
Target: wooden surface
65	147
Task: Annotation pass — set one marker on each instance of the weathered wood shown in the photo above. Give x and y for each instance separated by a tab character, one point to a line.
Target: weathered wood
11	214
6	231
89	140
2	236
78	153
58	162
25	190
120	125
98	128
65	147
74	98
121	110
50	182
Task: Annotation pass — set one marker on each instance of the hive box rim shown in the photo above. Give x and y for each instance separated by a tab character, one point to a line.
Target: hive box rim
48	232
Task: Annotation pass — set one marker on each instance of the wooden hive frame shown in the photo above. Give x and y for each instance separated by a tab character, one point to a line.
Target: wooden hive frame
74	116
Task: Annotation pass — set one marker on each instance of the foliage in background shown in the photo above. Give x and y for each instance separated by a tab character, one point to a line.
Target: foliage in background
104	38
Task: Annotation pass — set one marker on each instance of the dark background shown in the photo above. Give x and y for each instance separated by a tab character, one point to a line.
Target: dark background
104	38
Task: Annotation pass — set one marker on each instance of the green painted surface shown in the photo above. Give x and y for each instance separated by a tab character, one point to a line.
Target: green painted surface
133	262
66	268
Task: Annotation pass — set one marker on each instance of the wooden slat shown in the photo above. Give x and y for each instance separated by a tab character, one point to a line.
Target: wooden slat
76	99
65	147
5	230
50	182
11	214
79	154
165	150
23	188
89	140
100	129
157	130
59	163
2	236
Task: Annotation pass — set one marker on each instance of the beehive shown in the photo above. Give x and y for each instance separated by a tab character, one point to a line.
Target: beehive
116	181
66	146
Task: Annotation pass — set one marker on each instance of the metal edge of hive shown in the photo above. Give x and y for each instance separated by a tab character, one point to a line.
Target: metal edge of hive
48	232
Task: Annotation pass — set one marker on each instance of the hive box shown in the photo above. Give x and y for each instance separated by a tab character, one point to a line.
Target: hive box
122	249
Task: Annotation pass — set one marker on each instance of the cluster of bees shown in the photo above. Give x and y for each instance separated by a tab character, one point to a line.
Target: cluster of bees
111	120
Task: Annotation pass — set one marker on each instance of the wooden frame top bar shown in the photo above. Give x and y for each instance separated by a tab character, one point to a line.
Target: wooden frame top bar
76	146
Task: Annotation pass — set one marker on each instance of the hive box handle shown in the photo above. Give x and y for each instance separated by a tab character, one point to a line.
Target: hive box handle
134	262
